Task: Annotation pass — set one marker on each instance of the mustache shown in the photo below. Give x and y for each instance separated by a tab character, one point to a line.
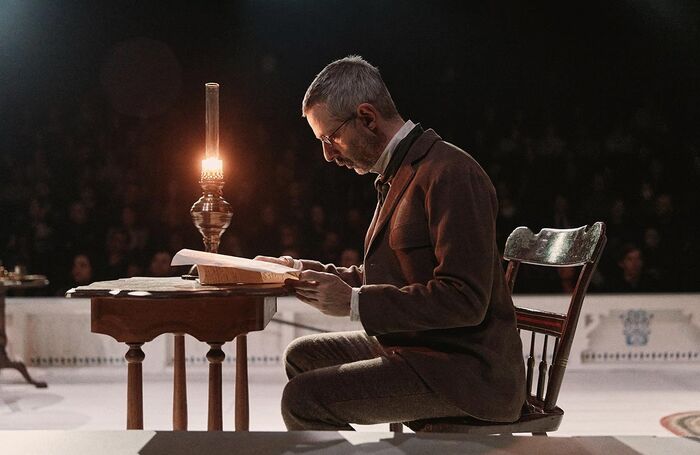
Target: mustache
343	162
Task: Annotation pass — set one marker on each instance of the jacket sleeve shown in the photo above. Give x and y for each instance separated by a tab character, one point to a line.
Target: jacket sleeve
460	208
353	276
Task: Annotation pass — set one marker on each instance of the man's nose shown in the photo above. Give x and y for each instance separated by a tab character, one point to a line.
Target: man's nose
328	151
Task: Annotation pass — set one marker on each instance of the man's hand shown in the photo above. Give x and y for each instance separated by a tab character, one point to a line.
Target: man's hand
324	291
282	260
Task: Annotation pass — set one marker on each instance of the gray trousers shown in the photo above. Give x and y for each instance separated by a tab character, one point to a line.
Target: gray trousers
347	377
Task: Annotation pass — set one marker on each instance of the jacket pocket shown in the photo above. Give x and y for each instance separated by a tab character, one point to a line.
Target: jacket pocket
409	235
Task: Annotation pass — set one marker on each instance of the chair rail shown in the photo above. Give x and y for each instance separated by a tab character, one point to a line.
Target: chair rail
554	247
540	321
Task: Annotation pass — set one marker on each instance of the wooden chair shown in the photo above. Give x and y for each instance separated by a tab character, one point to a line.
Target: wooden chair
550	248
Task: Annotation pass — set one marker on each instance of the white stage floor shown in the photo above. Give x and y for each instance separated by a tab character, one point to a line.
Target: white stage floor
605	402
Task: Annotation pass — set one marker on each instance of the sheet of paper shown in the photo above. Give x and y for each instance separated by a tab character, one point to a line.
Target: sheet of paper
189	257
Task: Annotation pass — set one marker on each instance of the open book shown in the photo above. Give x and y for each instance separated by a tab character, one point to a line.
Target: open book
222	269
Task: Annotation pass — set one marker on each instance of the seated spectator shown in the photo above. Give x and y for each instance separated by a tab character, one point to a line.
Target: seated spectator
350	257
134	266
330	248
116	261
78	232
137	234
631	276
160	264
81	273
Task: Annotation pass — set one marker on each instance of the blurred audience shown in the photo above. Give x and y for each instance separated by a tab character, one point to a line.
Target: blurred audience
85	202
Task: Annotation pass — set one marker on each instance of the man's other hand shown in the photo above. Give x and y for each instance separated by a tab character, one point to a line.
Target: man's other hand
324	291
282	260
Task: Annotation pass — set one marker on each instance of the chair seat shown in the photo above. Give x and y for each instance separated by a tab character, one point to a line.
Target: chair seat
532	420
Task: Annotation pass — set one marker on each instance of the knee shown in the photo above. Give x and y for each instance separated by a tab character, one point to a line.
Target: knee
308	404
295	401
296	356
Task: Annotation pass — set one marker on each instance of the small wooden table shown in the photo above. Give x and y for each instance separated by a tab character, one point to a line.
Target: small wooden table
26	282
136	310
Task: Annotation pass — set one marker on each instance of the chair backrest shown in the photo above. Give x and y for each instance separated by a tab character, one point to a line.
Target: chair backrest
553	248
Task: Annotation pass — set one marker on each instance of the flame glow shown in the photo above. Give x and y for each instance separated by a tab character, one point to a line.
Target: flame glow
212	169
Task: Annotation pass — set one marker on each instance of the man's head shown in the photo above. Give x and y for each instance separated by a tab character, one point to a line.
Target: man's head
630	261
351	111
82	269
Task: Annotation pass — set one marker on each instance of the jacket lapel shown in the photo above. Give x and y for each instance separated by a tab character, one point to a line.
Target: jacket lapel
399	183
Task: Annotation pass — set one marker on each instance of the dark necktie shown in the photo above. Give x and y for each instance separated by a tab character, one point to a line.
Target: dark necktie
383	182
382	190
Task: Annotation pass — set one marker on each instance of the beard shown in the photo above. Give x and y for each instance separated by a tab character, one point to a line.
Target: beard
362	151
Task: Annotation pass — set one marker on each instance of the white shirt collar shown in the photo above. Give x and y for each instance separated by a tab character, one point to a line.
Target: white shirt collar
383	161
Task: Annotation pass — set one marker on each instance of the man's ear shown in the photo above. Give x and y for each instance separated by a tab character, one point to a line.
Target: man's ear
368	116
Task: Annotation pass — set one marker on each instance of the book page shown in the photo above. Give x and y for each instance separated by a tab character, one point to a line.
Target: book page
189	257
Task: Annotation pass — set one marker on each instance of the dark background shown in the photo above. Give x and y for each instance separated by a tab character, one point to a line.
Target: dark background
442	60
108	96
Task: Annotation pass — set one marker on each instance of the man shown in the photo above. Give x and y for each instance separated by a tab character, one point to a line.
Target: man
632	276
440	337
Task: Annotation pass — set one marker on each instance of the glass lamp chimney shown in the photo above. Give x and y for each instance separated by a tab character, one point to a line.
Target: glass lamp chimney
212	120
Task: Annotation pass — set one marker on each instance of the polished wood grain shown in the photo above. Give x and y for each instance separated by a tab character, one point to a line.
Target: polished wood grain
215	356
179	384
141	319
134	388
241	392
210	318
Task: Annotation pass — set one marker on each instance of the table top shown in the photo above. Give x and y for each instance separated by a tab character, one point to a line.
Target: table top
171	287
134	310
23	282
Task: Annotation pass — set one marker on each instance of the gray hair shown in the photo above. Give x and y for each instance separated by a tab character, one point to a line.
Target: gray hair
345	84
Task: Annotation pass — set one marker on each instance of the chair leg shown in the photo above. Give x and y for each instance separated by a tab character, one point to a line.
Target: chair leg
396	427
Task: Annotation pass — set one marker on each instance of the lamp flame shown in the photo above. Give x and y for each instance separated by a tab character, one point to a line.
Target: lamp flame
212	169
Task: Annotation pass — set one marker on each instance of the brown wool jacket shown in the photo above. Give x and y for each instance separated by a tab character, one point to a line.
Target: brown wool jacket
432	284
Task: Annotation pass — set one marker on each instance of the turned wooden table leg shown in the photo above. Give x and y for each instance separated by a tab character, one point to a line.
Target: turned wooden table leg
242	416
215	357
134	387
179	385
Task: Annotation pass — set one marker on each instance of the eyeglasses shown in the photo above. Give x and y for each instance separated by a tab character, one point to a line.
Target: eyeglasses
329	138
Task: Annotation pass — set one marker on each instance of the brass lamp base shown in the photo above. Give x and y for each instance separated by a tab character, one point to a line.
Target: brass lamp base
211	214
